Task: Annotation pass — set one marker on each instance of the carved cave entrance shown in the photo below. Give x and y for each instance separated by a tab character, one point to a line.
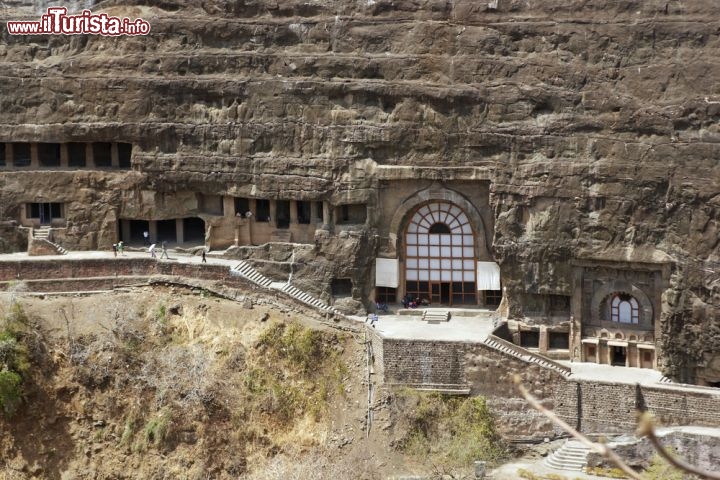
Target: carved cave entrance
46	212
440	263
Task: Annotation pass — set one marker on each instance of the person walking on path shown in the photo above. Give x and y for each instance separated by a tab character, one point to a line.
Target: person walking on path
120	247
152	251
164	253
204	260
146	237
115	249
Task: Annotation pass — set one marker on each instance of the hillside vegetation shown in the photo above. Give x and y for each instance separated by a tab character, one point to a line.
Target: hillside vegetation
169	383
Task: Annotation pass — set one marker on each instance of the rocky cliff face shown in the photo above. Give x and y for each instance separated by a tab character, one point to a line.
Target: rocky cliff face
596	120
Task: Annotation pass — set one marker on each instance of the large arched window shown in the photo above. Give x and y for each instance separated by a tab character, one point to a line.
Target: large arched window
440	261
624	308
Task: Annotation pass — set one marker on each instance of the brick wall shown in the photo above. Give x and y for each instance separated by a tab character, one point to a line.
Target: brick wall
111	267
415	362
51	269
612	407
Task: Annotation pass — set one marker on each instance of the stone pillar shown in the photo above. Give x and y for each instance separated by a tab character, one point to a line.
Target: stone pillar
313	213
479	470
327	219
64	155
114	155
250	221
89	156
125	230
180	230
229	206
543	339
34	160
293	212
117	229
273	213
153	231
576	315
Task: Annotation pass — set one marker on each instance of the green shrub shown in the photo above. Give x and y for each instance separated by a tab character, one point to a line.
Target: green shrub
450	429
16	320
606	472
13	354
157	428
14	358
660	469
295	344
292	372
129	429
10	392
161	314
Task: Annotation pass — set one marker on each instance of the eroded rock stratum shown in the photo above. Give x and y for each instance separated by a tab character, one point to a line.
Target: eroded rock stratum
578	139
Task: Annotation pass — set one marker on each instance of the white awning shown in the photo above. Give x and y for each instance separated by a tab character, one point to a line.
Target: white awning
488	276
617	343
591	340
647	346
386	272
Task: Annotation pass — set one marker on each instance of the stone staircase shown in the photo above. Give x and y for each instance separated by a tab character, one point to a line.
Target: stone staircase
308	299
42	234
519	352
436	316
571	456
245	270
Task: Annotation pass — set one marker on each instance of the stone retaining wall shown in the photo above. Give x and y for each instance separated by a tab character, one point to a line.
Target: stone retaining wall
111	267
591	406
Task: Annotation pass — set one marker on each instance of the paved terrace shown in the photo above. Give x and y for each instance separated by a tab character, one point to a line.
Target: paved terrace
474	326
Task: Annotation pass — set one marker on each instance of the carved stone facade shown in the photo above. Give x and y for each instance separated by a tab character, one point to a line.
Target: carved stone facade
560	139
619	318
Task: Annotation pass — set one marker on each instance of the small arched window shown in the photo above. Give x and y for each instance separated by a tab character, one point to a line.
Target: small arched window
439	228
624	308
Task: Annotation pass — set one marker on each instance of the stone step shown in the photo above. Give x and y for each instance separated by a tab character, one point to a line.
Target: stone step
436	316
571	456
246	270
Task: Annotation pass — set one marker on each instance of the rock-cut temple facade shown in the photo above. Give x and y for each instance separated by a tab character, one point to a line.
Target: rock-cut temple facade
556	161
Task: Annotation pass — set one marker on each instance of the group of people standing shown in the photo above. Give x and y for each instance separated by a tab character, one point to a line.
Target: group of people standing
119	248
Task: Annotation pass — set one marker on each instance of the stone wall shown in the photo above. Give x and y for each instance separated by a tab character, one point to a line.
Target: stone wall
698	446
485	371
593	407
101	274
